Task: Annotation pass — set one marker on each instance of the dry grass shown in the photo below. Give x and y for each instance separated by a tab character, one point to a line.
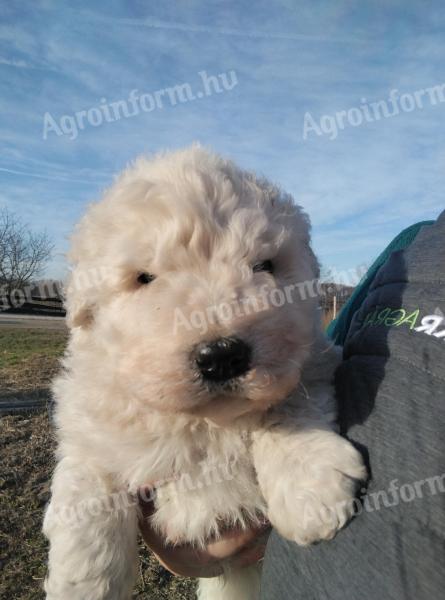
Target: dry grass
27	462
28	360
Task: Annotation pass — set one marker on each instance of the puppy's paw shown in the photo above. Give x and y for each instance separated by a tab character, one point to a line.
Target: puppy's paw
316	497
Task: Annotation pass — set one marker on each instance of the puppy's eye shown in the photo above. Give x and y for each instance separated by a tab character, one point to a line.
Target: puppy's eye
145	278
266	265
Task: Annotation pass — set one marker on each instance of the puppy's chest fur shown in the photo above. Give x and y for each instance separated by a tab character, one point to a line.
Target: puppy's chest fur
210	484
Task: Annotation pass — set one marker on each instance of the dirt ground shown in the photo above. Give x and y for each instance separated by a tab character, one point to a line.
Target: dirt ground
28	360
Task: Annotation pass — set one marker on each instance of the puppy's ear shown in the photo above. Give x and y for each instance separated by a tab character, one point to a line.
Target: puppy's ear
79	314
79	302
303	227
313	261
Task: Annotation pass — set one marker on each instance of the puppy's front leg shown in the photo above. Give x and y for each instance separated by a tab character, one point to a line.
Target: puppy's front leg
307	473
93	537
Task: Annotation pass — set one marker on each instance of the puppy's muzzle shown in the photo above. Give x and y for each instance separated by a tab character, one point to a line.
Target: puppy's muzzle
223	359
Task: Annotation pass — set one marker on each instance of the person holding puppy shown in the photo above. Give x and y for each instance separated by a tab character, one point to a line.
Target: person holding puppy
391	394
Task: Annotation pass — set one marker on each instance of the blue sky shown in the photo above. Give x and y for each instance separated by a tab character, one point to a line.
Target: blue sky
290	58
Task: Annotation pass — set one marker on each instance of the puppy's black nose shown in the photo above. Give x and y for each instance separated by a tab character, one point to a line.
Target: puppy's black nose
223	359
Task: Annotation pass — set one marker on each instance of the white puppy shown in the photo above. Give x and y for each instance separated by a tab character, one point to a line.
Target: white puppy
197	363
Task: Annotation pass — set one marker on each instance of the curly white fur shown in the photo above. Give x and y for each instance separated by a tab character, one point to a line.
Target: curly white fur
131	408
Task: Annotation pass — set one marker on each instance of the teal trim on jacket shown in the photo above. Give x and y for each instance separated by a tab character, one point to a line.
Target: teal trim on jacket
339	328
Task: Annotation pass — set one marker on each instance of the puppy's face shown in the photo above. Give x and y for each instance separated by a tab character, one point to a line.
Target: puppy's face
188	288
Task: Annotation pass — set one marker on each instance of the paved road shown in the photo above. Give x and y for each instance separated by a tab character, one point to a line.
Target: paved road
31	321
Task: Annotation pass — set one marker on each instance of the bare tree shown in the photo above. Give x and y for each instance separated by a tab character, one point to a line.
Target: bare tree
23	253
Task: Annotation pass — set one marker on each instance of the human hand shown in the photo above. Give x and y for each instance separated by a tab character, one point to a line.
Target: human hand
239	547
